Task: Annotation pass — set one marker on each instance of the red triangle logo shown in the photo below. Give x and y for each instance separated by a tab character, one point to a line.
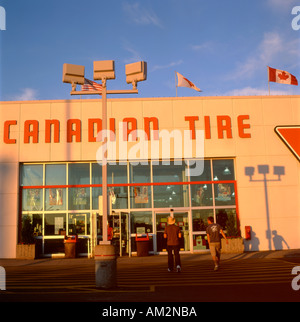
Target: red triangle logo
290	135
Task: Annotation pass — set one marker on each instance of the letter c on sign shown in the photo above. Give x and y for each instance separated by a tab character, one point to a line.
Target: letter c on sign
295	285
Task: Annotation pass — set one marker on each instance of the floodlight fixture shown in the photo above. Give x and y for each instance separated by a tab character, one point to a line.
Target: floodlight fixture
73	74
136	72
104	69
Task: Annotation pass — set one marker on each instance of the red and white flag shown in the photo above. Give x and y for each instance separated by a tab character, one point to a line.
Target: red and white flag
184	82
91	86
282	77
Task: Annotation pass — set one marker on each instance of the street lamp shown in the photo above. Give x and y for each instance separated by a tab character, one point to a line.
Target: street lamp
73	74
104	70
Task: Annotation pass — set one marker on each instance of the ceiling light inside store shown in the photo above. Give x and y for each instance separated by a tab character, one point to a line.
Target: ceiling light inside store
226	171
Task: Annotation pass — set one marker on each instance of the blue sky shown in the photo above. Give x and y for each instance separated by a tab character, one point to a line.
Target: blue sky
223	46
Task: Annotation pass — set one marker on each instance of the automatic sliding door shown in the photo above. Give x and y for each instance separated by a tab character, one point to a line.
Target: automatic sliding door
182	220
119	223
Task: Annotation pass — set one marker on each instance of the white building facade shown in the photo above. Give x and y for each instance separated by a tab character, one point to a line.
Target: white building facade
193	157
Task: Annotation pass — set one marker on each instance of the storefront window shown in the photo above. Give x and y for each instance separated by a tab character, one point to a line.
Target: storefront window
31	228
200	218
55	199
183	222
224	194
32	200
141	222
200	242
228	220
205	175
96	173
117	173
79	173
118	197
55	174
223	170
201	195
55	224
79	224
96	192
139	173
140	196
79	198
32	175
171	196
64	196
96	179
169	173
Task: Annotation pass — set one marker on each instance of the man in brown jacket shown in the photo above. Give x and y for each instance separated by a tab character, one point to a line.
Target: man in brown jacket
172	234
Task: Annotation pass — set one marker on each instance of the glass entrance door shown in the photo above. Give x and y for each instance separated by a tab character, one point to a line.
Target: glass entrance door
80	224
182	220
119	223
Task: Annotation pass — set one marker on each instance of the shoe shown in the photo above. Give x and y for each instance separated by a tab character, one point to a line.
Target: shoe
216	267
170	270
178	269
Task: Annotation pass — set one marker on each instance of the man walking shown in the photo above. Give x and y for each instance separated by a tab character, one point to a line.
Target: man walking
172	234
214	240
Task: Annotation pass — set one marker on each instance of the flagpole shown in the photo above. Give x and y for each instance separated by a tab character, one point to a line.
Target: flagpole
175	83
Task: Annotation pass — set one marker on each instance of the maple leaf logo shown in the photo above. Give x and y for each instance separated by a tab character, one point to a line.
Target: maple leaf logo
283	76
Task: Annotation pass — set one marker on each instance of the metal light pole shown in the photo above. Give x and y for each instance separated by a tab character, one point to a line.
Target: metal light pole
104	70
104	164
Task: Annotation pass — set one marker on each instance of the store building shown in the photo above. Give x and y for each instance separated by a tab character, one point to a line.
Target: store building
195	157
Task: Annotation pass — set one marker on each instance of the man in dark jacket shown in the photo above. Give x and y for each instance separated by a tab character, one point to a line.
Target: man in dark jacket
172	234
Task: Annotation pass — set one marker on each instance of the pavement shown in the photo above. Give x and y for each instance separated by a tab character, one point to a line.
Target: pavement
247	277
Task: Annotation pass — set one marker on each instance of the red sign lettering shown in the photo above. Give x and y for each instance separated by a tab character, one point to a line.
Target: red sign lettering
130	125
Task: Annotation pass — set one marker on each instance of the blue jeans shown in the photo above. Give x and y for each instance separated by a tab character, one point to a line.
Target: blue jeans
170	250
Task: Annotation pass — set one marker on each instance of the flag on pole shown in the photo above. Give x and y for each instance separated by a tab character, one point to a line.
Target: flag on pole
91	86
184	82
281	76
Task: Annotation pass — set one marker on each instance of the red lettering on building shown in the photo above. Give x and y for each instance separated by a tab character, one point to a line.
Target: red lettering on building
151	124
154	122
112	127
129	130
224	124
242	126
73	129
31	129
91	126
207	127
52	128
6	137
191	120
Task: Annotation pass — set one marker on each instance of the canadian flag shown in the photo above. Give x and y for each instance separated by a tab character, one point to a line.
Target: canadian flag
184	82
282	77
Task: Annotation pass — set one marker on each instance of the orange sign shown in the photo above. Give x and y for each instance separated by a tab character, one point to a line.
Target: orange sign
290	135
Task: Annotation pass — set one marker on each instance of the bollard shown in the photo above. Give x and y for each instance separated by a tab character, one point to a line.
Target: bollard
105	266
